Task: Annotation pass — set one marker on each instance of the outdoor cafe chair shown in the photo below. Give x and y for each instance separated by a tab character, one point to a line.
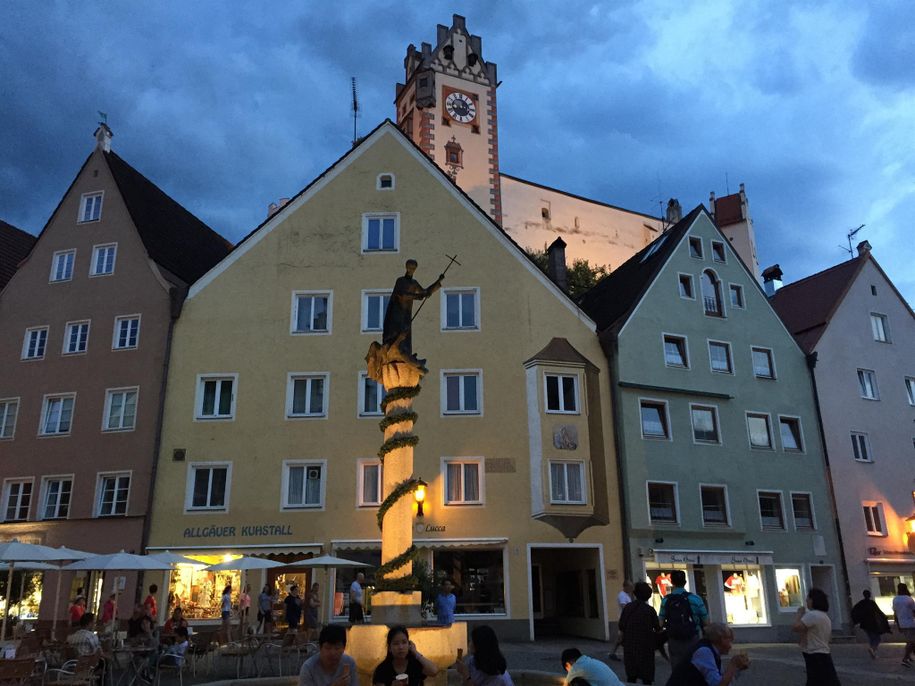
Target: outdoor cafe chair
78	671
170	663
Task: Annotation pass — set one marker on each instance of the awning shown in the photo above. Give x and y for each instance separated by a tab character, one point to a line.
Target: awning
713	557
247	548
908	561
432	543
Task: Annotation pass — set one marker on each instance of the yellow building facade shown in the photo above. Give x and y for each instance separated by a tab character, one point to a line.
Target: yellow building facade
270	430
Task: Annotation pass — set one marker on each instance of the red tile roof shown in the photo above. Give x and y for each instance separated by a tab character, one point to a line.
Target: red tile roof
15	245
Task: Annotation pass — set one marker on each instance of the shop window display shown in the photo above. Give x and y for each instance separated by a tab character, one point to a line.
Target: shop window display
478	577
199	592
744	598
885	590
661	585
345	577
789	589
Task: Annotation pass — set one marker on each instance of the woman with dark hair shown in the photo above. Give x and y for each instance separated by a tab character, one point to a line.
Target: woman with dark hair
815	629
486	665
640	630
868	615
403	665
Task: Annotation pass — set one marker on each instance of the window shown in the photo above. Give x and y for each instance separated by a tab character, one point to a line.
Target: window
482	575
771	515
461	309
371	394
705	424
120	409
463	482
879	327
461	392
57	414
208	487
384	182
675	352
802	509
867	382
90	209
720	357
861	447
711	294
76	338
17	500
103	259
306	395
374	305
789	429
566	483
311	313
718	251
126	332
790	592
686	286
736	292
910	389
562	393
55	503
763	364
873	519
380	232
714	505
654	419
9	409
62	265
303	485
370	473
695	247
216	396
113	491
662	503
36	340
759	430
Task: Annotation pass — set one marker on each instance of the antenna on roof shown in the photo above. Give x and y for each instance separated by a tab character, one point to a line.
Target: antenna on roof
727	184
849	236
355	108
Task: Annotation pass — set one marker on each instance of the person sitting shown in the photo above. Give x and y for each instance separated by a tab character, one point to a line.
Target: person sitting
83	641
175	622
329	666
139	627
402	659
486	665
703	664
594	672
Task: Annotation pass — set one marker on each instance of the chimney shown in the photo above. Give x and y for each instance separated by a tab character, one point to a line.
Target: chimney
103	137
711	203
556	264
772	279
674	212
864	248
275	207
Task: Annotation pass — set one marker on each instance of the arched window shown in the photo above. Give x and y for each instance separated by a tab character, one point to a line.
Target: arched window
711	294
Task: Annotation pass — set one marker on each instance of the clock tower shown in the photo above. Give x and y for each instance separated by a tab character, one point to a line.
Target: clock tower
448	103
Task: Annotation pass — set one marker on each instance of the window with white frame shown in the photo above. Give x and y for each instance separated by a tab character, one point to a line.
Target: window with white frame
126	332
90	207
311	313
62	265
662	503
463	482
771	512
861	447
561	393
654	419
103	259
57	414
874	522
705	423
685	286
879	327
9	410
736	292
719	354
789	428
759	430
867	383
763	364
380	232
802	510
35	342
462	392
675	351
120	409
374	306
306	395
17	499
461	309
55	501
216	396
113	492
567	485
385	182
695	247
76	338
910	389
710	286
371	393
714	505
790	589
370	474
208	487
718	254
303	485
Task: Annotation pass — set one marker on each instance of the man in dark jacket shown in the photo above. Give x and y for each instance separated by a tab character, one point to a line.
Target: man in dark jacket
703	666
868	615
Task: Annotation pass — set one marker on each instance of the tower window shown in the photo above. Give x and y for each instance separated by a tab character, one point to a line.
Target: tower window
385	182
545	212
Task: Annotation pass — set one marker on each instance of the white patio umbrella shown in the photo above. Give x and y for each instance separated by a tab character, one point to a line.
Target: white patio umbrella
15	551
244	564
326	562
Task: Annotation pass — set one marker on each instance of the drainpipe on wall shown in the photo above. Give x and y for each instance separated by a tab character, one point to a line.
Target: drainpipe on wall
610	343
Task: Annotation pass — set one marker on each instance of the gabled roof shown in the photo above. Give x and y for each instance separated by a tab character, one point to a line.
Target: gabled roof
15	245
174	238
560	350
613	298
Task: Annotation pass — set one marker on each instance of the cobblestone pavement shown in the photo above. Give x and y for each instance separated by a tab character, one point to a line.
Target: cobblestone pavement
779	663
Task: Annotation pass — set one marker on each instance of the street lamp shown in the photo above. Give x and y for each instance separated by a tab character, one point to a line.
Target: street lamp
419	494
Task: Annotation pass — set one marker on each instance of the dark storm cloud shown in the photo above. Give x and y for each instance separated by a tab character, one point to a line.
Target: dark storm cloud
885	55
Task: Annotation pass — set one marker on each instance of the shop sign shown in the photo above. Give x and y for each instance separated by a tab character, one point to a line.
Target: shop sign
712	558
682	558
422	528
243	531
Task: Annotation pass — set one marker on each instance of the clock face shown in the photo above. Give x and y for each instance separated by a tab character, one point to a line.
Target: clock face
460	107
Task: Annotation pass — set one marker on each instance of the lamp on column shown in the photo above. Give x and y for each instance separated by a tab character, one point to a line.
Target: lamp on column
419	494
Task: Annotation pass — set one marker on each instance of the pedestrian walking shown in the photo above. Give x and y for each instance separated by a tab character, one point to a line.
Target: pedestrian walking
815	629
225	606
445	604
265	609
640	635
868	615
683	615
623	598
904	614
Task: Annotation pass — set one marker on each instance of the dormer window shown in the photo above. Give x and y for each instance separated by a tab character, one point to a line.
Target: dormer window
385	182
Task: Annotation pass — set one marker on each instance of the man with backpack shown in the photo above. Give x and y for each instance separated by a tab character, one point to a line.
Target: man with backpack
682	615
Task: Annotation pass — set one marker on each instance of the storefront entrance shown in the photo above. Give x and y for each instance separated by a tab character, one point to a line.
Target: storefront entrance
567	594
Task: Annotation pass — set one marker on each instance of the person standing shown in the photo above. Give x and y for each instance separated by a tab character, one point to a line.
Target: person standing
356	597
77	610
312	603
815	629
904	614
639	632
109	610
868	615
244	606
683	615
150	603
623	598
225	607
265	609
445	604
293	605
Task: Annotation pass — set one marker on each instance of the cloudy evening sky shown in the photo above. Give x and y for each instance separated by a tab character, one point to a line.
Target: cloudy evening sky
230	105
